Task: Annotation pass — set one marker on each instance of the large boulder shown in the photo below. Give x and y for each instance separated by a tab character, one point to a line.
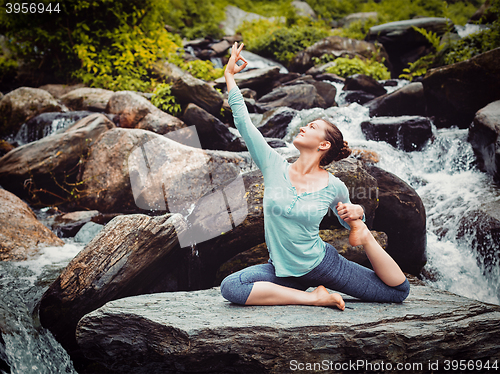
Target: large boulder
275	122
201	332
401	215
43	171
254	79
303	96
20	105
408	133
85	98
361	82
134	170
454	93
128	257
134	111
403	43
337	46
408	100
21	233
59	90
484	135
481	227
212	132
188	89
326	90
235	17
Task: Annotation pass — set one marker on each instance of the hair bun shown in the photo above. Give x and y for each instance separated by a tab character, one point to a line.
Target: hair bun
344	152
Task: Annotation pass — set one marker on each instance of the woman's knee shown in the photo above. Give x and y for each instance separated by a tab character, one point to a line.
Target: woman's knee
233	290
403	291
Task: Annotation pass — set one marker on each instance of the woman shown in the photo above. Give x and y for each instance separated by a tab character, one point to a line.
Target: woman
296	198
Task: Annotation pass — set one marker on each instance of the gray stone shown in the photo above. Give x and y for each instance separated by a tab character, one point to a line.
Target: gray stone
201	332
85	98
303	9
275	122
364	83
303	96
484	135
408	133
235	17
253	78
454	93
354	17
408	100
24	103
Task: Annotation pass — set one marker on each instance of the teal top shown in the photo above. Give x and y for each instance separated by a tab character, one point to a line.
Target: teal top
291	221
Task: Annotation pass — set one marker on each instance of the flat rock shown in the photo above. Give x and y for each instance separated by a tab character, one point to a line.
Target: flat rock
201	332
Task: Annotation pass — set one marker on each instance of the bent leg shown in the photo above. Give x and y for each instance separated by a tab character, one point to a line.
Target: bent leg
383	264
345	276
258	285
237	287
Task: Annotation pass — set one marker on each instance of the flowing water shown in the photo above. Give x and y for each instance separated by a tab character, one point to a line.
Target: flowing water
443	174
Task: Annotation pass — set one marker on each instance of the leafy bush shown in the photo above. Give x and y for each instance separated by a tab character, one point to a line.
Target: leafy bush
276	41
344	67
198	68
164	100
356	29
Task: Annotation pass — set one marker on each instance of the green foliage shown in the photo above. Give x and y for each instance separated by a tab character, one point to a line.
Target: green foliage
276	41
418	67
344	67
197	68
356	29
164	100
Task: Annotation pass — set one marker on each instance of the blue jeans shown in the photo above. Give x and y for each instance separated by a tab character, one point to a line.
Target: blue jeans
334	272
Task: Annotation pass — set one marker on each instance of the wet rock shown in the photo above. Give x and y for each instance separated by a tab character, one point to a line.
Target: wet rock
364	83
403	43
337	46
408	100
68	224
258	62
133	170
85	98
304	96
212	132
275	122
203	332
134	111
401	215
21	233
360	97
20	105
47	124
329	77
326	90
484	14
454	93
408	133
253	79
130	256
36	171
482	227
484	136
188	89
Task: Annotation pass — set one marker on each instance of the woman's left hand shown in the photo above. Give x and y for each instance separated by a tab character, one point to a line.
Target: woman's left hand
350	212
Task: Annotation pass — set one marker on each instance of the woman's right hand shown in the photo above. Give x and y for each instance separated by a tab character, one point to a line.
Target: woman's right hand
232	68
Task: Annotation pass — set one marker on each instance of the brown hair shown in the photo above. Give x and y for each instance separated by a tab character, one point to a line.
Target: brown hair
339	148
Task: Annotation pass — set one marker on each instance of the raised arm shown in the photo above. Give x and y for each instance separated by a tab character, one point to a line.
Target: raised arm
261	152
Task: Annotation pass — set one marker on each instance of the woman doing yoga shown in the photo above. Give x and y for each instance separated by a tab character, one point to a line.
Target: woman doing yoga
296	198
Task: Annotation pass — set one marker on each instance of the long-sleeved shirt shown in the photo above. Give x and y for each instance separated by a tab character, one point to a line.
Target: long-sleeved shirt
291	220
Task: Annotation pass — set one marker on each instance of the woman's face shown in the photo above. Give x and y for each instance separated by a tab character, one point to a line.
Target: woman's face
311	135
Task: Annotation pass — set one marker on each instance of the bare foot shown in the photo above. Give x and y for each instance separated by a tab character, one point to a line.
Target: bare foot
324	298
359	232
